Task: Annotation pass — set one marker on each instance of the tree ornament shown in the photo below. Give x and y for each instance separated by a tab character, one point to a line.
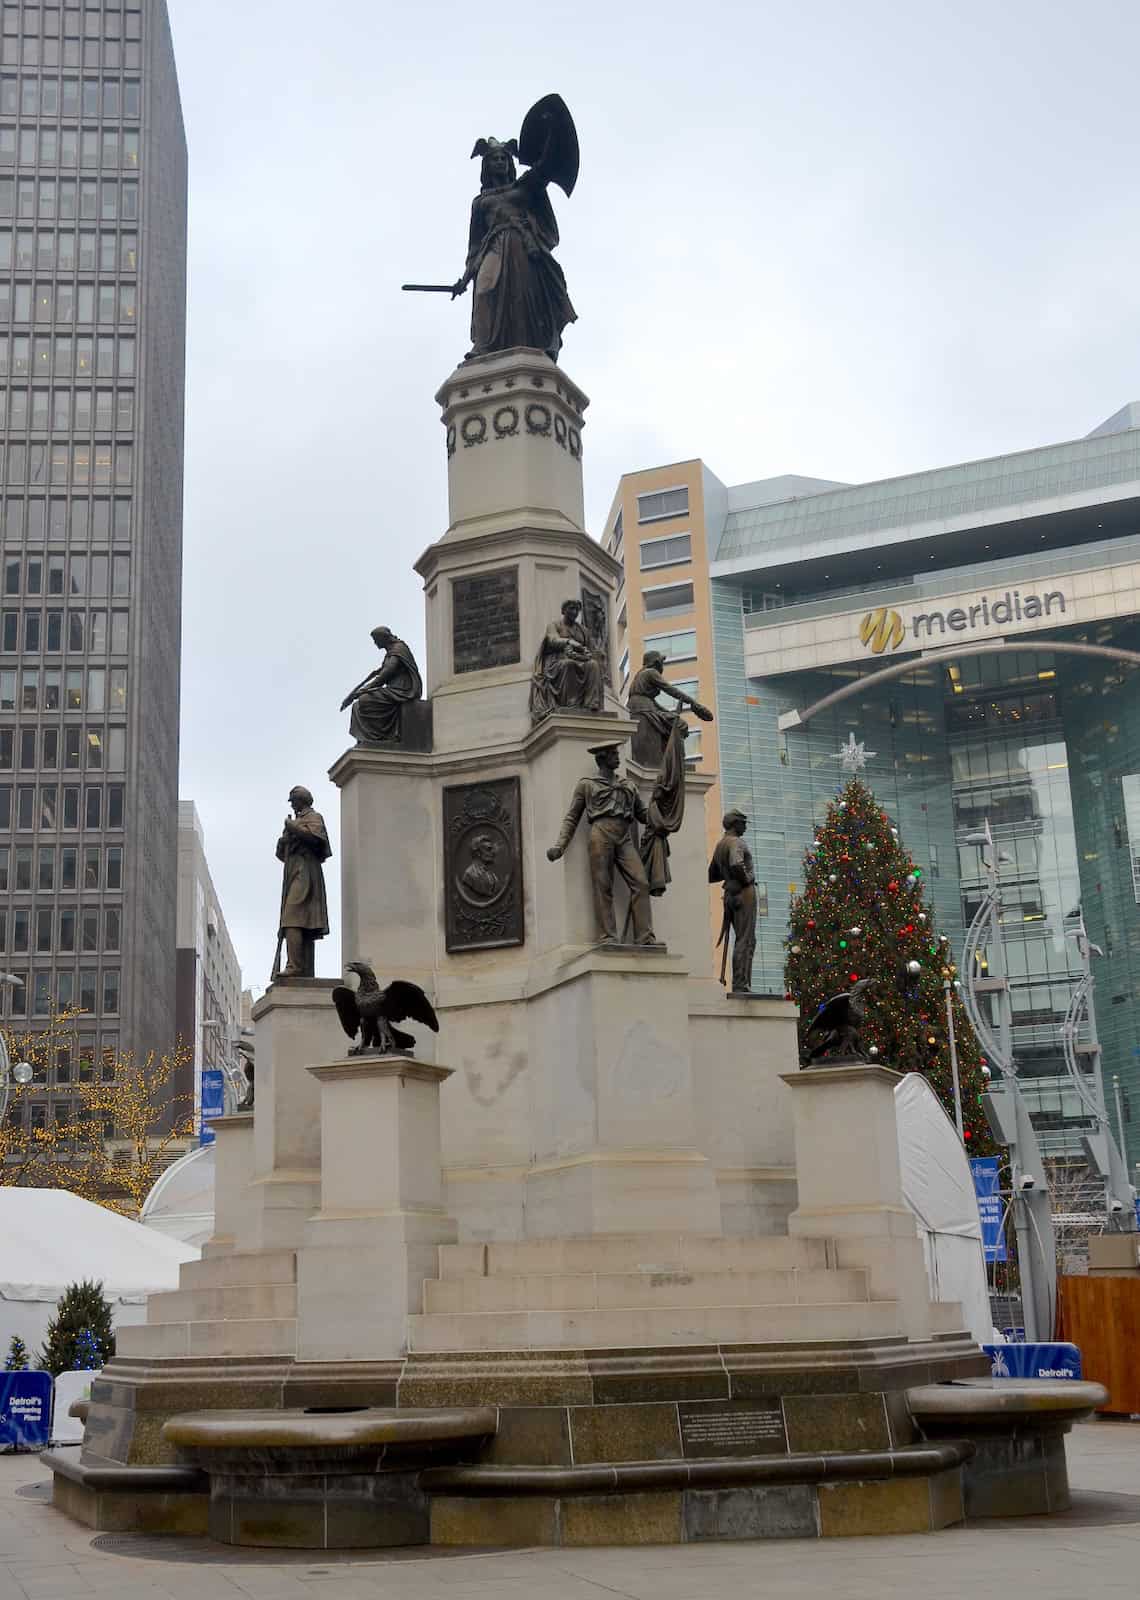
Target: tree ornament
893	886
832	877
914	967
855	932
922	916
795	949
872	1049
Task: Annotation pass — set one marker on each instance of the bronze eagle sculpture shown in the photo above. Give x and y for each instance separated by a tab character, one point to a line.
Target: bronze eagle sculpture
838	1024
372	1012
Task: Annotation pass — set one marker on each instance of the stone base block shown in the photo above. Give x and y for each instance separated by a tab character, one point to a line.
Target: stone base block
617	1191
277	1209
359	1278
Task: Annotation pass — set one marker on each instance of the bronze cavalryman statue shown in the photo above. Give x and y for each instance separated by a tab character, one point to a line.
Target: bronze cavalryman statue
304	848
611	805
732	865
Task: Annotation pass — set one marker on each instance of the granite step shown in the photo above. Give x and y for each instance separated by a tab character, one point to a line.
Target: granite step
589	1291
233	1337
240	1269
639	1252
641	1327
271	1302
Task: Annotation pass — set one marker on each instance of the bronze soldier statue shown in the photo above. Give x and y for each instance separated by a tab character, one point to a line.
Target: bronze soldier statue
304	848
732	865
611	805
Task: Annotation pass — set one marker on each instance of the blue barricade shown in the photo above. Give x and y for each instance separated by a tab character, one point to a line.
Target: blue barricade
1034	1360
25	1410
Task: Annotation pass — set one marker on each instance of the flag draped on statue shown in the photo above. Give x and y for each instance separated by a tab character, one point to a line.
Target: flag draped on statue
862	914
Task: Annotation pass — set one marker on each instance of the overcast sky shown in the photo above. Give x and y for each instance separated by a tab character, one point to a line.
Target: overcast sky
847	241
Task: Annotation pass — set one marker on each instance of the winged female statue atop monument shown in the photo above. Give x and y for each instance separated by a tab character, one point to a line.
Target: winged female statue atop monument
519	290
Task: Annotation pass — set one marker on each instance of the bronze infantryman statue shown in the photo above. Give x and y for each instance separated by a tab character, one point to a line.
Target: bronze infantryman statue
519	292
303	848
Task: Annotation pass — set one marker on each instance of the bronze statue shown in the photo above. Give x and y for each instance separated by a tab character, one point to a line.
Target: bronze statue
568	674
732	865
838	1024
666	810
378	703
480	880
372	1012
304	848
519	295
654	723
611	805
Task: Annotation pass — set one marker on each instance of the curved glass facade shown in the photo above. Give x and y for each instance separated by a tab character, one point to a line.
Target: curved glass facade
1043	745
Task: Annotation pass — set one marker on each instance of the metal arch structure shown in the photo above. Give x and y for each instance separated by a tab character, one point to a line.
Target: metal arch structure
789	720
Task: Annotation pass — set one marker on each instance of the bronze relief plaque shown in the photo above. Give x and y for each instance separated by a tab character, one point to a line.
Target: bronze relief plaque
485	620
483	868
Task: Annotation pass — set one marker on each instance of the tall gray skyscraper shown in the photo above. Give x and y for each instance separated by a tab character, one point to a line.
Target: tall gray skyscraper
92	373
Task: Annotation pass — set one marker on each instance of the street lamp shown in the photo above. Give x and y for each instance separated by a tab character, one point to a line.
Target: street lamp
20	1073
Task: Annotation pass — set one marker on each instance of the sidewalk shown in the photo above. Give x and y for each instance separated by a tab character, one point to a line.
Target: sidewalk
1094	1551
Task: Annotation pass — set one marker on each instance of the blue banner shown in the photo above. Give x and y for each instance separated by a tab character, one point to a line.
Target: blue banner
1034	1360
213	1100
25	1410
987	1188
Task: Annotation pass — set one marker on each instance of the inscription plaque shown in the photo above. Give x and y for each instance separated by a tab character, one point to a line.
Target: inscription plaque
733	1428
485	620
482	868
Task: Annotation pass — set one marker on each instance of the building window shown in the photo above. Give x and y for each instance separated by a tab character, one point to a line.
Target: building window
617	537
669	597
665	503
674	646
671	552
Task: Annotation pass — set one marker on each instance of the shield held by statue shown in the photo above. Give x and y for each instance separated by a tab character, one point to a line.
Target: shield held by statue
548	130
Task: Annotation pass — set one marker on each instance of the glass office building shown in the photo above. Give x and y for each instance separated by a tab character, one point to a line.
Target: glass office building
814	588
92	337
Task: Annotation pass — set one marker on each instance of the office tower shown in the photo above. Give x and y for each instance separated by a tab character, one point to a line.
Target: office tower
92	335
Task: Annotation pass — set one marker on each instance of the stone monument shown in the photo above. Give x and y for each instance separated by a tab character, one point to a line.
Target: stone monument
572	1202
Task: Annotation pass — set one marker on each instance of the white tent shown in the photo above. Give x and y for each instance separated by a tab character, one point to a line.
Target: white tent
181	1204
50	1239
938	1186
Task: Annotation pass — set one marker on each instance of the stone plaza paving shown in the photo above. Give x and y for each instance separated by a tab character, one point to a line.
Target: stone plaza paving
1092	1551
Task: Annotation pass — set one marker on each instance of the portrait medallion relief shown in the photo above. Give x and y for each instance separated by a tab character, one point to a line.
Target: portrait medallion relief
483	865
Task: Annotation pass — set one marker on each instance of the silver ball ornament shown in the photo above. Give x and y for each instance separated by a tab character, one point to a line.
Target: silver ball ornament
855	932
832	878
922	916
872	1049
914	967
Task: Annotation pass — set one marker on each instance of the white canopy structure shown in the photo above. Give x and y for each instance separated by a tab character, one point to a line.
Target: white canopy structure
50	1239
181	1204
938	1187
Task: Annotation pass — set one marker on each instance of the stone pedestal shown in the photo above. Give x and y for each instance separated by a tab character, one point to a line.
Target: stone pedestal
233	1174
375	1238
296	1025
850	1186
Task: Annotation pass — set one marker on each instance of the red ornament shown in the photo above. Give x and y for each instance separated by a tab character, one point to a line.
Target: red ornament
967	1134
893	886
787	997
845	857
910	927
854	976
811	922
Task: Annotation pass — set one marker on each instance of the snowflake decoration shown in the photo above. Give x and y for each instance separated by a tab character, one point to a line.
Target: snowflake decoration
854	757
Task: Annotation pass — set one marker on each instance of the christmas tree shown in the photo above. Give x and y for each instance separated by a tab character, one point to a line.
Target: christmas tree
862	915
87	1355
82	1322
17	1360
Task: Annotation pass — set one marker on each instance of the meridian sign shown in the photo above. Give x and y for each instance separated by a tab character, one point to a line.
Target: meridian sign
885	629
